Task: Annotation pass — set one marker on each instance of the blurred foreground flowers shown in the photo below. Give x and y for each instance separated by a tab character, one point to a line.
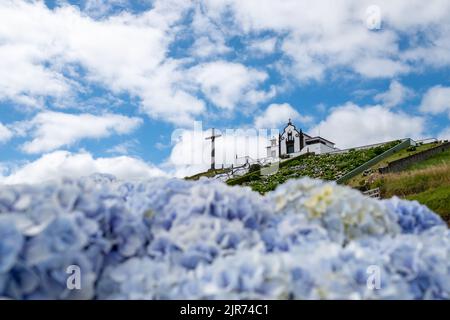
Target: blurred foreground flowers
174	239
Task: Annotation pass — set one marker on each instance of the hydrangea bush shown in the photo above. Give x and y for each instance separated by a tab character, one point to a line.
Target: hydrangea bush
175	239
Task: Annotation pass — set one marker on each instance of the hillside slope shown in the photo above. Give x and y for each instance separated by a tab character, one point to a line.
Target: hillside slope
364	181
326	167
427	181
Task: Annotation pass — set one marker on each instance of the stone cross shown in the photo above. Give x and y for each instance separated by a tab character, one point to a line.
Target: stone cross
213	148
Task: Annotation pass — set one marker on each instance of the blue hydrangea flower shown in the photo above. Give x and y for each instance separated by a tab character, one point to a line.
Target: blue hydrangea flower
61	236
138	278
11	242
345	213
176	239
412	216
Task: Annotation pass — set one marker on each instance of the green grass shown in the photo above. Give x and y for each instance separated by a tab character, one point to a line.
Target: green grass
405	153
437	199
438	159
419	177
413	182
208	174
427	181
429	185
360	179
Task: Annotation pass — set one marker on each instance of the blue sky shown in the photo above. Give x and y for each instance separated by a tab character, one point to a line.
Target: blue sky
97	85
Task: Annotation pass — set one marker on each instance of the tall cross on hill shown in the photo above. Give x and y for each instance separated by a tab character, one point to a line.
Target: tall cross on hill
213	148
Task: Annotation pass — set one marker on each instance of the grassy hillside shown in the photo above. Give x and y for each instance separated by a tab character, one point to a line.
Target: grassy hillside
438	159
437	199
364	181
427	181
327	167
208	174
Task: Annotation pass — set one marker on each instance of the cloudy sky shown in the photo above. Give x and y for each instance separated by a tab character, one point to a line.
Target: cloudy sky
105	86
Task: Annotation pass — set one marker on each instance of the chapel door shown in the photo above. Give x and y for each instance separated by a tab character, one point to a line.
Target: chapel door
290	148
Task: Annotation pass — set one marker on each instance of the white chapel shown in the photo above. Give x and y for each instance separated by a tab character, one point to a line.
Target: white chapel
292	142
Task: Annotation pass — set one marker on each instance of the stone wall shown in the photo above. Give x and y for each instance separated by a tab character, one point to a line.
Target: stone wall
402	164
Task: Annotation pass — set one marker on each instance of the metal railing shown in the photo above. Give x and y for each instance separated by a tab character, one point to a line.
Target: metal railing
374	193
428	140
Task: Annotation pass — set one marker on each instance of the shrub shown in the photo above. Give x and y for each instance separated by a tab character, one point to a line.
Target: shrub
254	167
327	167
378	150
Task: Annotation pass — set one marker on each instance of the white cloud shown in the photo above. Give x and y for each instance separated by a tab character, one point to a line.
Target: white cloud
3	169
51	130
322	35
228	84
161	146
165	98
100	8
380	68
396	95
264	46
436	101
351	125
124	148
124	53
61	164
210	38
277	115
321	107
17	61
315	38
445	134
205	47
5	133
326	35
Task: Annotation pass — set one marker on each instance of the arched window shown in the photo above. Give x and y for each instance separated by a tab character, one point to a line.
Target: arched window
290	137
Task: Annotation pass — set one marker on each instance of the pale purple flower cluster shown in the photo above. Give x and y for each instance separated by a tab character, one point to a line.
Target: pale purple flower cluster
174	239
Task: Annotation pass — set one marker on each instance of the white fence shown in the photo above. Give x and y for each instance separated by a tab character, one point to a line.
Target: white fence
242	166
374	193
